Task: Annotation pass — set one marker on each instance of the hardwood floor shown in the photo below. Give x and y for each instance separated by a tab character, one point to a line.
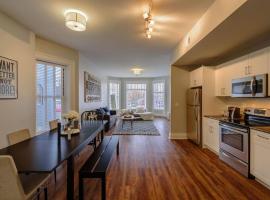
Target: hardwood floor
154	167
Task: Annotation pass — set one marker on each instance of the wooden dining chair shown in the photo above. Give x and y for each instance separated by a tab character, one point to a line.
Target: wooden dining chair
20	187
18	136
53	124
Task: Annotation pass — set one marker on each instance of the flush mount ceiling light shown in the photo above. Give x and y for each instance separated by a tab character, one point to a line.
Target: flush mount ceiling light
149	22
75	20
137	71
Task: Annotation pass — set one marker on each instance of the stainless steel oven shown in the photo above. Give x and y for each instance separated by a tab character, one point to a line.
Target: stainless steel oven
234	147
253	86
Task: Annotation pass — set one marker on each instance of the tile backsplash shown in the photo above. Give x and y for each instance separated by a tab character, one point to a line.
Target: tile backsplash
245	102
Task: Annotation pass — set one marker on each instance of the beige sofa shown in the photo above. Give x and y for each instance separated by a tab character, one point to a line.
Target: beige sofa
141	111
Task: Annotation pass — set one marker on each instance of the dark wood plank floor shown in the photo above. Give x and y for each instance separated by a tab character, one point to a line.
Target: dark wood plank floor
154	167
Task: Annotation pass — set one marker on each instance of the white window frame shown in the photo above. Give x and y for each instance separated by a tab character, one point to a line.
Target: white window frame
136	82
163	92
44	98
119	93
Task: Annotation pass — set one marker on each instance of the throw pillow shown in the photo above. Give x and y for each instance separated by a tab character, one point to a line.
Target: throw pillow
140	109
106	109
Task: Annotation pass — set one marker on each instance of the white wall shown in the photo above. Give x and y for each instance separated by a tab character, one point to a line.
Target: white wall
18	43
86	65
179	86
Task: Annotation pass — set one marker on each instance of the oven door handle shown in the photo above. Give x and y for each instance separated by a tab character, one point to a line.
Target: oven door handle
240	161
239	130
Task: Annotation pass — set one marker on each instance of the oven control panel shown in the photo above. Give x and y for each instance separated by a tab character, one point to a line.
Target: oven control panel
264	112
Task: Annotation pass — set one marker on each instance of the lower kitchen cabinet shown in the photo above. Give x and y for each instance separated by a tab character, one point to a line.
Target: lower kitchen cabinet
211	134
259	155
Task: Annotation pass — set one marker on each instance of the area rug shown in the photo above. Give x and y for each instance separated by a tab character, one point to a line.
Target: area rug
139	128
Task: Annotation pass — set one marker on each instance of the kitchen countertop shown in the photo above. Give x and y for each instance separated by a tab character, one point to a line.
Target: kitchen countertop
265	129
216	117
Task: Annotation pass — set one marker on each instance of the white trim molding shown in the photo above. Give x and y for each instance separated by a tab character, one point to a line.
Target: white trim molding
177	136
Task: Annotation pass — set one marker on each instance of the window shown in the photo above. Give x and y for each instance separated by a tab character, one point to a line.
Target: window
159	95
49	91
136	95
114	95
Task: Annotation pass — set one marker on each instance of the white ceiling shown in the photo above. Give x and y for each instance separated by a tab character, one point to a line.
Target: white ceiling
114	39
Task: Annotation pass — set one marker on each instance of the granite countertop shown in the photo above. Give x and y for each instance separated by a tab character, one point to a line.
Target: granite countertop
265	129
216	117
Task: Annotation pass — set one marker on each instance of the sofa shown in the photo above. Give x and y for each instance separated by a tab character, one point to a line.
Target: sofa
139	112
108	115
102	114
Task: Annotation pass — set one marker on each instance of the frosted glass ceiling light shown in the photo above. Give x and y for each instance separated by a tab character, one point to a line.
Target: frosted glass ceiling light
75	20
136	70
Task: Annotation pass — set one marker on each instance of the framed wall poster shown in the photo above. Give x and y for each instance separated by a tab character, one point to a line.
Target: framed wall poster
8	78
92	88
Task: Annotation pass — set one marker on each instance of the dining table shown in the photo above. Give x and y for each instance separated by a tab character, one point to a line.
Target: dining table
45	152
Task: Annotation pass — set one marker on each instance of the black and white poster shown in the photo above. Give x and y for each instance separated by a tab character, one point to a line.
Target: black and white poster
8	78
92	88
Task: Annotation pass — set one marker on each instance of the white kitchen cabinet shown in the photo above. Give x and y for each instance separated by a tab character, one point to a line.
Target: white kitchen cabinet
259	155
253	64
223	81
196	77
258	62
211	134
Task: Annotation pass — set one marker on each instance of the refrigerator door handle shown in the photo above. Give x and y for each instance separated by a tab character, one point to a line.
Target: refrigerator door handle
195	113
196	98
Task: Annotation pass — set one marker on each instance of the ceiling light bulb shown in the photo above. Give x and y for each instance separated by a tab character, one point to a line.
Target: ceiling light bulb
75	20
149	29
151	22
146	15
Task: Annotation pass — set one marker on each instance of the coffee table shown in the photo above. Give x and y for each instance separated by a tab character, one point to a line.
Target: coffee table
130	119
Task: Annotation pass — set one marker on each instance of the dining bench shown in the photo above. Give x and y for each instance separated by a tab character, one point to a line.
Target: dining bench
98	163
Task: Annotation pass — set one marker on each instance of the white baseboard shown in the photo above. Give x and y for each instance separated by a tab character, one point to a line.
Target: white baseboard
177	136
209	148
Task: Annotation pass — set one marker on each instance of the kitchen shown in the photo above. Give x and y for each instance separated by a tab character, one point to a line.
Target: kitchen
233	100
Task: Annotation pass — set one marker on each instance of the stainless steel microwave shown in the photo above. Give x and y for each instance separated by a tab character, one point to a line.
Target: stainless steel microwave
253	86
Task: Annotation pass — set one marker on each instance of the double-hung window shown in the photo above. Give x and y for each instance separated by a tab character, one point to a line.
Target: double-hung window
49	94
159	95
114	95
135	95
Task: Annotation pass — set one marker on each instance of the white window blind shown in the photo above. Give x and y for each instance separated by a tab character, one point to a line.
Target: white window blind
49	91
136	95
159	95
114	95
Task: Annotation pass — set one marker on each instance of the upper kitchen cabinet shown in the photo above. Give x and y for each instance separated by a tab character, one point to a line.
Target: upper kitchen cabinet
258	62
253	64
239	67
196	77
223	81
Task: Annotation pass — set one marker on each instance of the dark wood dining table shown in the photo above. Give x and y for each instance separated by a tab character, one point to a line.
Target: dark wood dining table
44	153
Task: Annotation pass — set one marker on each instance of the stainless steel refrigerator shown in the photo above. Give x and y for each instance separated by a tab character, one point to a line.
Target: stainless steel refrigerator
194	115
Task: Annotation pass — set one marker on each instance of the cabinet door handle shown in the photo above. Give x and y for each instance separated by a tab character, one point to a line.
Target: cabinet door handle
263	137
